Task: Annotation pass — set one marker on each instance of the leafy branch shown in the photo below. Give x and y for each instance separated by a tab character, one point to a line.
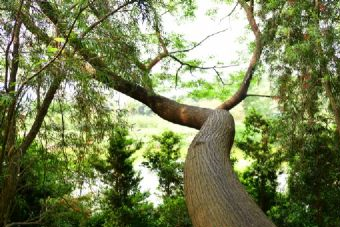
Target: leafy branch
58	53
102	19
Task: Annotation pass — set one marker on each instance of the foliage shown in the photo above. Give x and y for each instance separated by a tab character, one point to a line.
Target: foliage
313	156
55	56
44	189
257	142
173	212
302	46
123	204
67	212
164	160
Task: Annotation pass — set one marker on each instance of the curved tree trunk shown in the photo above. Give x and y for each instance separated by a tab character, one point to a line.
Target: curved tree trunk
214	196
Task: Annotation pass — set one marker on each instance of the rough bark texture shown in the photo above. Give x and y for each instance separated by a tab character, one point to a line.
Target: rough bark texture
214	196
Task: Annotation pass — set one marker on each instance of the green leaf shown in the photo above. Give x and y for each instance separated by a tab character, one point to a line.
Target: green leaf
59	39
51	49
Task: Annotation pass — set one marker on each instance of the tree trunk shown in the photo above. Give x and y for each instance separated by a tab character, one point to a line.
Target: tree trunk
214	196
333	103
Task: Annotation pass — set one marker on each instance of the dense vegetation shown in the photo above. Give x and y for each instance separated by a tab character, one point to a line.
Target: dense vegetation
68	156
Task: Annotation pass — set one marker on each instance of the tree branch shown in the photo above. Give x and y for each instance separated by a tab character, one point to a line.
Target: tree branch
262	96
167	109
333	103
201	67
39	118
199	43
28	222
242	91
10	127
167	53
231	12
161	55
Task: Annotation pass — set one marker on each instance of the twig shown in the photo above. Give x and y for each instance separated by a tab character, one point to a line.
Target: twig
231	12
201	67
214	68
176	76
262	96
95	24
199	43
219	76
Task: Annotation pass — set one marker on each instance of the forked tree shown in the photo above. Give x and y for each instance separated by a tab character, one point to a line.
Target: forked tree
213	194
96	38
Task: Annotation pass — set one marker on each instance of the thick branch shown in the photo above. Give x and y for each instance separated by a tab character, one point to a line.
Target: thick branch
15	53
167	109
241	94
34	29
9	132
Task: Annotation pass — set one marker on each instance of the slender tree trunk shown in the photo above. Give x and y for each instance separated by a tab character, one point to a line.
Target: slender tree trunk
14	154
214	196
9	189
333	102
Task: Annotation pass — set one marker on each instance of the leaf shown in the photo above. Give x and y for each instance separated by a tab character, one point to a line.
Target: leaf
59	39
51	49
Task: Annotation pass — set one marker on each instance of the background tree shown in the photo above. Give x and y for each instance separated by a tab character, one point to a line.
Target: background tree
257	142
123	203
302	58
164	160
313	157
42	196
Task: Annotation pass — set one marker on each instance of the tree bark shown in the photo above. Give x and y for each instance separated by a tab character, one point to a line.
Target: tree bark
214	196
